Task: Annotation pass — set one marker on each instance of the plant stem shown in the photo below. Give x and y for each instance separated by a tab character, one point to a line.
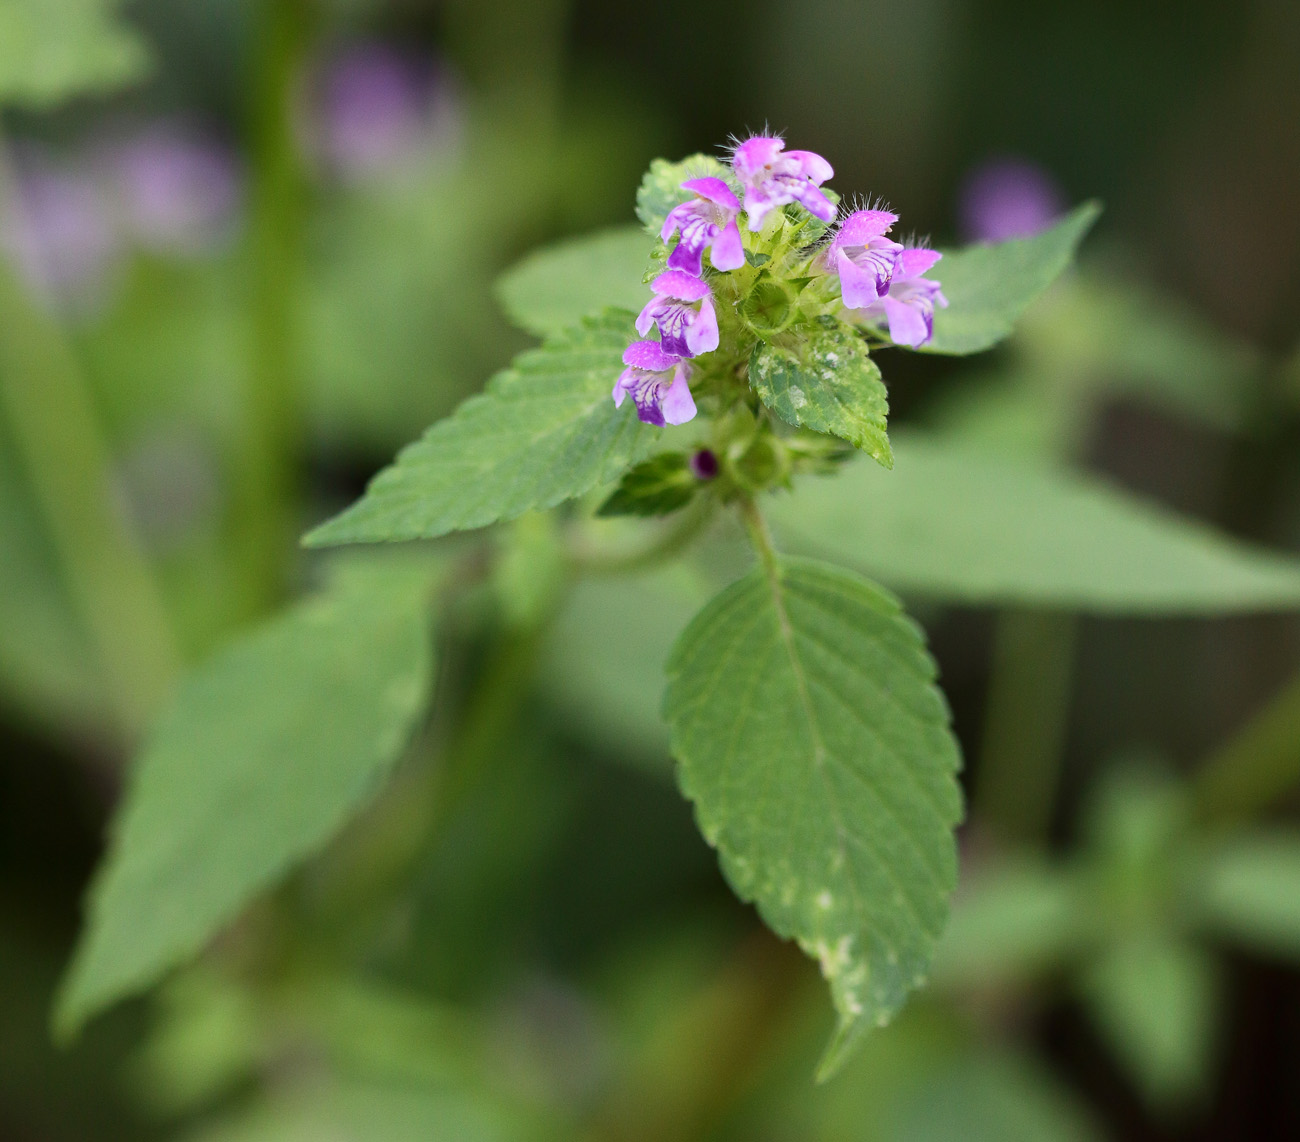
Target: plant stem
264	491
1257	766
760	535
1026	719
53	422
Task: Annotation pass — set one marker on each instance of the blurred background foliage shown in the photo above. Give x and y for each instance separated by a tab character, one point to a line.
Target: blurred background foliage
234	286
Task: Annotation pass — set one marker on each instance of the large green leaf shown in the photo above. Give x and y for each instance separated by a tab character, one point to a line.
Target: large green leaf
825	381
557	287
989	286
661	187
51	50
263	754
963	526
545	430
815	745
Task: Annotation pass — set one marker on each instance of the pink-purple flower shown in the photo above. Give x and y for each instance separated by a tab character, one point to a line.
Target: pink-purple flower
707	221
657	383
773	176
908	306
863	257
682	307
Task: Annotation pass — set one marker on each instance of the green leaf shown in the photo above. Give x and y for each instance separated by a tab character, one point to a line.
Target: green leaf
828	383
353	1111
51	50
811	736
263	754
661	187
1157	1001
557	287
965	527
1251	892
656	486
545	430
989	286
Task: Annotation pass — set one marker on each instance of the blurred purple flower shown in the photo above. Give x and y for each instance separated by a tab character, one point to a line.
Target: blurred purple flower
177	190
657	383
379	109
1008	198
682	307
772	178
58	230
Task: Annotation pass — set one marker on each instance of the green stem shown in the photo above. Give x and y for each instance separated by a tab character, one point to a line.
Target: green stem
53	422
1259	765
263	513
760	535
1026	719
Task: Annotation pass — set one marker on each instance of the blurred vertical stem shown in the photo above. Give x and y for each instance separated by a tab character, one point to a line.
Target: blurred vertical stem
1257	766
1026	718
263	510
511	52
52	420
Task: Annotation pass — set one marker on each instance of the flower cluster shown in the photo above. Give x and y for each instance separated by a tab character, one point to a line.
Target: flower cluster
881	282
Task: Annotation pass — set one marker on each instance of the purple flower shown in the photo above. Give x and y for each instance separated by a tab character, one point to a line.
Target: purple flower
57	228
863	257
682	307
656	382
708	220
1008	198
909	304
772	179
178	190
379	109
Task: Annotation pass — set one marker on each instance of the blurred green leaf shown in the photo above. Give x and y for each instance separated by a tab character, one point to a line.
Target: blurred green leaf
355	1112
993	1097
555	288
965	527
51	50
46	662
261	757
661	187
605	654
544	431
1250	892
1009	923
816	748
1157	1000
828	383
989	286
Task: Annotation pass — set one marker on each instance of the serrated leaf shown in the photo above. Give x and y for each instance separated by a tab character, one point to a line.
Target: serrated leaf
51	50
545	430
961	526
661	187
656	486
555	288
815	745
261	757
989	286
826	382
